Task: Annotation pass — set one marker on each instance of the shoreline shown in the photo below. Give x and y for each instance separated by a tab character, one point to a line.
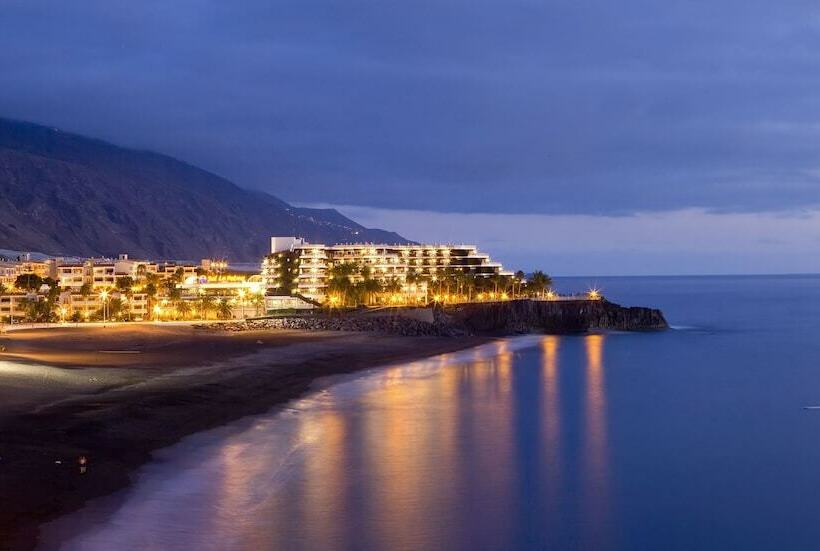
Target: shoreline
117	409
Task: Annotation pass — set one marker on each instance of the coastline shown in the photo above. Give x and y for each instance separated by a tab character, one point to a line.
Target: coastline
116	396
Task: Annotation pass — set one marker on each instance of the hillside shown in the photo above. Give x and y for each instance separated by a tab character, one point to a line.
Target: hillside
62	193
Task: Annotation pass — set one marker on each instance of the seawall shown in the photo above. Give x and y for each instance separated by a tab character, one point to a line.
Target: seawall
480	319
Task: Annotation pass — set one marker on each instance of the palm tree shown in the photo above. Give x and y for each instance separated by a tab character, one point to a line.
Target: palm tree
115	306
171	290
183	308
518	279
500	283
340	280
392	287
151	282
125	286
28	282
413	278
538	283
367	289
258	303
32	309
85	290
206	305
224	310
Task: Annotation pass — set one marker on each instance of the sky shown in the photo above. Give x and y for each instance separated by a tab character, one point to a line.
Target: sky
579	137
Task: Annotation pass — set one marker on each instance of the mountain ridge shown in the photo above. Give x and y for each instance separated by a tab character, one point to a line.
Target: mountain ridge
64	193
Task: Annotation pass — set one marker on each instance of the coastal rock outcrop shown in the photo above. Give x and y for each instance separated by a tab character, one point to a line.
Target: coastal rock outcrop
486	318
539	316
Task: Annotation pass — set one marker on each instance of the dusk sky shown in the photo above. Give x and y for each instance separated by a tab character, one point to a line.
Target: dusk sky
577	137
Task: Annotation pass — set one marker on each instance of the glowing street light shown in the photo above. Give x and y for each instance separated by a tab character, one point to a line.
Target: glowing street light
104	297
594	294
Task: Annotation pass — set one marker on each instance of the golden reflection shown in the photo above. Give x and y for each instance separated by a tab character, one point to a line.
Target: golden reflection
596	460
238	471
324	493
503	367
409	451
551	403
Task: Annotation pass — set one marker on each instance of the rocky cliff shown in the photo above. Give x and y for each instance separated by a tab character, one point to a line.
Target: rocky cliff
529	316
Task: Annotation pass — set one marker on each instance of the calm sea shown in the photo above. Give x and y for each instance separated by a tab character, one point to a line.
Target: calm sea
693	438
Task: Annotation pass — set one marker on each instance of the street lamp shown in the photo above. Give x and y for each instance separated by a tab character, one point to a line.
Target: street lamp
241	301
201	293
104	297
63	312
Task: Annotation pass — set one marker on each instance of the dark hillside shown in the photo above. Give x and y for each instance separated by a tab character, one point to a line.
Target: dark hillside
64	193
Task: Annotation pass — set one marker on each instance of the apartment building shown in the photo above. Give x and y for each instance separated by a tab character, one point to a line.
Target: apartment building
168	269
134	307
14	306
10	270
411	266
69	275
104	273
8	273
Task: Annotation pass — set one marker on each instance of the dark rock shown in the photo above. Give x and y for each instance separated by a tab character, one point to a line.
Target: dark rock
528	316
486	318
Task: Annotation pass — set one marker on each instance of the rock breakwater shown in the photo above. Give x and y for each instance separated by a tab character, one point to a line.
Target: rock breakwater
486	318
389	325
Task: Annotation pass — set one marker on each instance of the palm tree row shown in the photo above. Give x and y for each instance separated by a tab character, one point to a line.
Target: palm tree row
353	284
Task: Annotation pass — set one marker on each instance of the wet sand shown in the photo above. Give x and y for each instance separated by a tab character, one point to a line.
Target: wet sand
113	395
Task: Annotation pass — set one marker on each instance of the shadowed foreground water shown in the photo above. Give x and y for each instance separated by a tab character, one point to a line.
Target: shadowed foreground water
695	438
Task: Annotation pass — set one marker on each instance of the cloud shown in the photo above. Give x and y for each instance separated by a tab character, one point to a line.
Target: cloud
554	107
690	241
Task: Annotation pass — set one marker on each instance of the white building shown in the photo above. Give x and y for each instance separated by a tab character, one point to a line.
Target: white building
411	266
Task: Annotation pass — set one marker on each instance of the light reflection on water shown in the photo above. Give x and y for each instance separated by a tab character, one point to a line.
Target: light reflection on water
473	450
595	449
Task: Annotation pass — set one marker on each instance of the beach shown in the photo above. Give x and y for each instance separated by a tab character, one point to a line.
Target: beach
82	407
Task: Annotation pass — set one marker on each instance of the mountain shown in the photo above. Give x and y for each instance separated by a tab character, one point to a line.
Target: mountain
62	193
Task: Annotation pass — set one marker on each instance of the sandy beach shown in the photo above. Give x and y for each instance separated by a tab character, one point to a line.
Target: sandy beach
82	407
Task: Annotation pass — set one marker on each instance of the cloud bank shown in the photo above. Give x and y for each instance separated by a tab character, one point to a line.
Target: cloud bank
515	106
678	242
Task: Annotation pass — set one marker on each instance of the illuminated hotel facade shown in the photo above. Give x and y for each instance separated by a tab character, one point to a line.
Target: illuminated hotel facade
409	265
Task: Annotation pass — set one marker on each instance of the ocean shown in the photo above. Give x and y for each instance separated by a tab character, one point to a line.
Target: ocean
693	438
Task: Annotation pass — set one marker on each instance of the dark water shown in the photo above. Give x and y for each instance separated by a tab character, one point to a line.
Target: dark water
695	438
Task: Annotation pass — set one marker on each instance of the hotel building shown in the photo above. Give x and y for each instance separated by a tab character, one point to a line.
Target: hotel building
419	264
